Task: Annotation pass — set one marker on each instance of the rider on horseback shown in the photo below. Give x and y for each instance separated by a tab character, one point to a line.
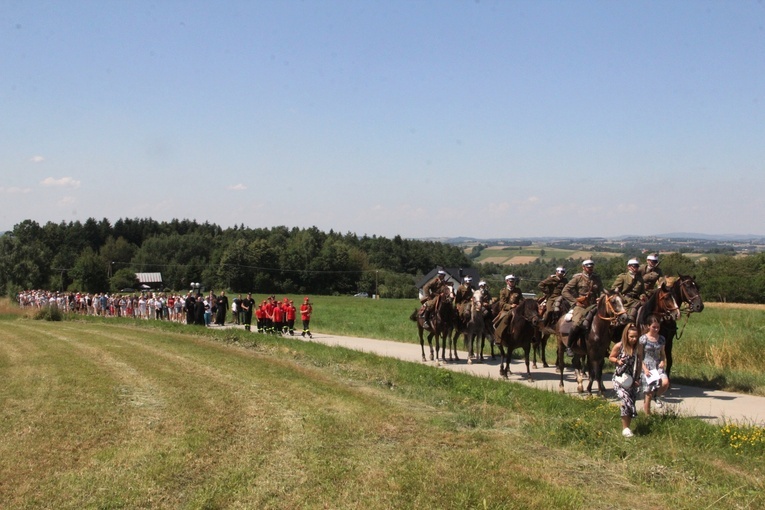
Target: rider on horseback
509	298
651	273
632	289
430	292
552	286
582	293
463	295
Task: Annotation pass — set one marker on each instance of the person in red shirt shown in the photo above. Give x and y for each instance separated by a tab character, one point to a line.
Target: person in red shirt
268	326
260	314
306	309
289	315
278	315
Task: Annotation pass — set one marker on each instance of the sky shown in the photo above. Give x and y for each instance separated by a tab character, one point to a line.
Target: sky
427	118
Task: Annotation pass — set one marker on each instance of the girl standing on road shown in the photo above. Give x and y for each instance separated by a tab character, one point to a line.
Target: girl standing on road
625	356
651	350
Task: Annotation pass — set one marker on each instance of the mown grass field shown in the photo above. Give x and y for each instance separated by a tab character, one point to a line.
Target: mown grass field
111	413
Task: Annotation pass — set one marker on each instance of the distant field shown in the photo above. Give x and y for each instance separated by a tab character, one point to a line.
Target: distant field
528	254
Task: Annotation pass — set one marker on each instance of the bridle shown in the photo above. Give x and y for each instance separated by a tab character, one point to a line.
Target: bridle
613	313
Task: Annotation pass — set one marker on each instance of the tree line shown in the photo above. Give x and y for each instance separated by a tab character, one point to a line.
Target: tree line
98	256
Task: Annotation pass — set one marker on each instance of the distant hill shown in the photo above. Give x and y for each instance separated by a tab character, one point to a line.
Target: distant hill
725	238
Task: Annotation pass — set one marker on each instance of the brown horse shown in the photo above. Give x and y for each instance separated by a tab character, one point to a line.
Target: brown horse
520	334
686	292
441	321
610	314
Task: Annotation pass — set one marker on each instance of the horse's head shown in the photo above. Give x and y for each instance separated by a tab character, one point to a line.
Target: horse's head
611	307
529	309
686	290
666	304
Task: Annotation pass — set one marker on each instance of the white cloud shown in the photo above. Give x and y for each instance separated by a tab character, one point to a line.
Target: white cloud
237	187
64	182
36	159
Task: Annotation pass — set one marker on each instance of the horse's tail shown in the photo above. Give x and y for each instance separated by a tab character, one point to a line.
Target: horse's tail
413	317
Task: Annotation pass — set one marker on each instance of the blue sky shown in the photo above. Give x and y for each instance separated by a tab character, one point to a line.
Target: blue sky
412	118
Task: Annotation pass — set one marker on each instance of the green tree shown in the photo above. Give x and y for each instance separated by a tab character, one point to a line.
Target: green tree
90	273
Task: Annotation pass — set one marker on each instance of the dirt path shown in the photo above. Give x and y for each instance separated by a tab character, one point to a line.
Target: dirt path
709	405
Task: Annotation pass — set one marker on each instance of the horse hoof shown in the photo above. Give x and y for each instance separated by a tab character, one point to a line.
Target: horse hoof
534	366
470	361
580	389
561	389
545	365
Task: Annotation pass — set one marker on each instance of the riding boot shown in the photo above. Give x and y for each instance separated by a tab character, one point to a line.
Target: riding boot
426	319
573	340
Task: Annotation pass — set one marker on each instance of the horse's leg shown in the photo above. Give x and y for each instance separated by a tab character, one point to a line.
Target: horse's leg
422	342
577	362
669	336
543	347
502	368
592	371
559	363
601	388
430	344
526	350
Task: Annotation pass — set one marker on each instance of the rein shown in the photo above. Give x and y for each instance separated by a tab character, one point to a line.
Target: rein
609	309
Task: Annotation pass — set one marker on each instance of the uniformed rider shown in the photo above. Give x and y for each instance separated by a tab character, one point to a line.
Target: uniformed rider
582	293
430	292
464	294
631	287
509	298
651	273
552	287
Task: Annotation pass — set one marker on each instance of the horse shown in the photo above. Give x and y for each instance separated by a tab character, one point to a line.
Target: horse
523	327
477	326
441	321
539	342
685	292
610	314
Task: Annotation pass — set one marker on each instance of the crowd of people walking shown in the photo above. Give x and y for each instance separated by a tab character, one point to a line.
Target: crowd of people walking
272	316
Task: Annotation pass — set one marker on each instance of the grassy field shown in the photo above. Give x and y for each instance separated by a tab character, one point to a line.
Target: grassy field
146	414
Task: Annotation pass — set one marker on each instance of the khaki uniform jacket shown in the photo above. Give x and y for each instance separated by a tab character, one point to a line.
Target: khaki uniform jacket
509	299
464	294
432	289
633	291
582	285
552	286
651	276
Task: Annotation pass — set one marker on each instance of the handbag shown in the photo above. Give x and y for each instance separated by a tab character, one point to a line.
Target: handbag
625	379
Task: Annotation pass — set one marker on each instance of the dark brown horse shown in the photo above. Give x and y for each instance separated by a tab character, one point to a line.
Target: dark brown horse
610	314
441	321
520	334
686	292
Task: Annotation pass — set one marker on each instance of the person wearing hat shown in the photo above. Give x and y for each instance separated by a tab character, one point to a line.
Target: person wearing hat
509	298
651	273
485	297
630	285
430	292
582	294
552	286
306	309
464	294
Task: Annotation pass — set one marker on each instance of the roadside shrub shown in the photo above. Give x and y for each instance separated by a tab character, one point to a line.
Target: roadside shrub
49	313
